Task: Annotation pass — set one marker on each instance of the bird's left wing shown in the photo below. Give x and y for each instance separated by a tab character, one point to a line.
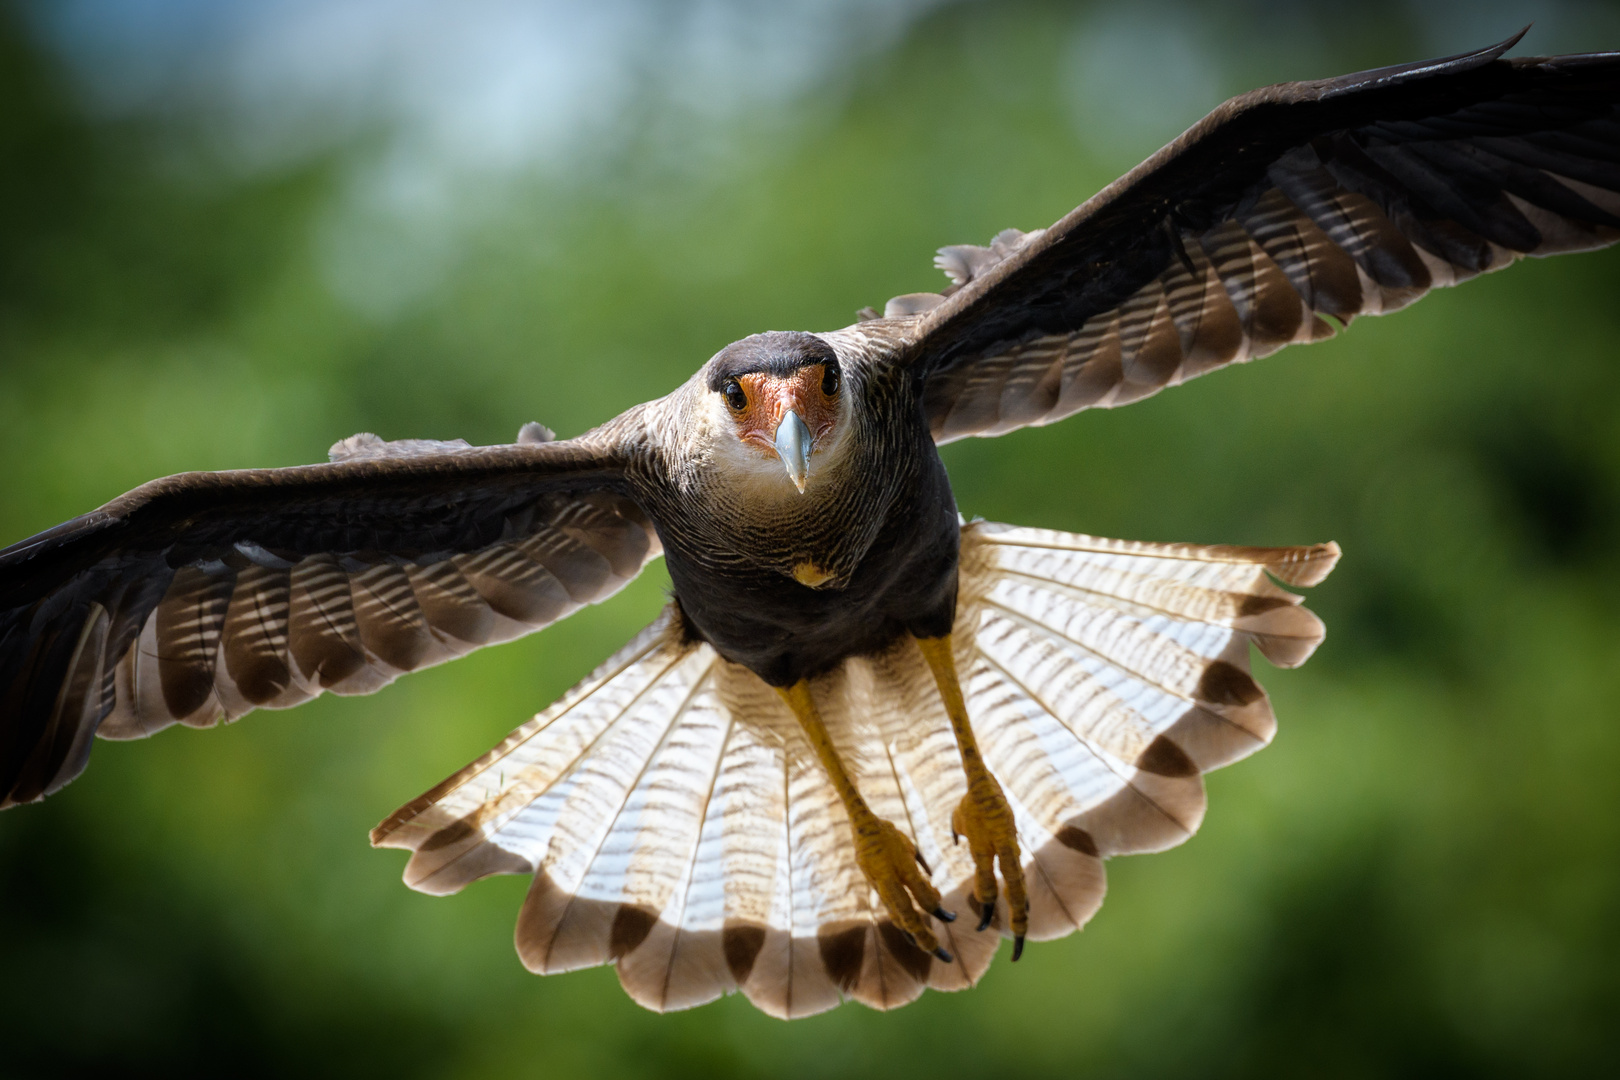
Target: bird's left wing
200	597
1278	218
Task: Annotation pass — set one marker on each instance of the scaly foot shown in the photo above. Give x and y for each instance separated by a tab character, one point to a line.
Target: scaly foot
885	855
891	863
984	817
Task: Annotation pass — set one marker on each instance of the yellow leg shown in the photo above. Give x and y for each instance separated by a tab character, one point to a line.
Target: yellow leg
885	855
983	816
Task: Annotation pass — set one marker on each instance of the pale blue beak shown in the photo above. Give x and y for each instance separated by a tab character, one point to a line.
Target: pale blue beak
793	445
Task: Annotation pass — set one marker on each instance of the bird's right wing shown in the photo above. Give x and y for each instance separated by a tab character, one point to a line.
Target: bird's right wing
1284	214
197	598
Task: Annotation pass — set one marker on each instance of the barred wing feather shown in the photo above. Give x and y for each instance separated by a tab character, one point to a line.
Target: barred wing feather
1279	218
201	597
679	826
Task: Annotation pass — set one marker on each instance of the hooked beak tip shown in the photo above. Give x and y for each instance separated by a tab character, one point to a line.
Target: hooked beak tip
793	445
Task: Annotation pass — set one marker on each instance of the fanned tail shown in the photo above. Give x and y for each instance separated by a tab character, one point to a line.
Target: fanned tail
1104	677
678	825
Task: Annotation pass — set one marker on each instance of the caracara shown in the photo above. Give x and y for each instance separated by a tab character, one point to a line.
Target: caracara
866	739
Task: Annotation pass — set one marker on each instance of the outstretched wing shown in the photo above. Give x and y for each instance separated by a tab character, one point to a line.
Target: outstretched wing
1278	218
678	824
200	597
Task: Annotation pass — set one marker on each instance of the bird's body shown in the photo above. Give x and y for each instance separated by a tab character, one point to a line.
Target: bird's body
764	790
739	554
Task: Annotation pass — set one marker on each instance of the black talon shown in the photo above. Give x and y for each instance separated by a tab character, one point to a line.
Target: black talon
944	916
989	912
1018	947
922	862
943	955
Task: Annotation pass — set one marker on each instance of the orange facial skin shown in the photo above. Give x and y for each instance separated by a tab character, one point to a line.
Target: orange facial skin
771	396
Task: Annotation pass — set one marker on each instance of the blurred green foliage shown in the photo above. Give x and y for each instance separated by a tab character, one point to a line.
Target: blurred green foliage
1419	878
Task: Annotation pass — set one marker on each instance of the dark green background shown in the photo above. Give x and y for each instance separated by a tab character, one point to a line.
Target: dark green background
1420	877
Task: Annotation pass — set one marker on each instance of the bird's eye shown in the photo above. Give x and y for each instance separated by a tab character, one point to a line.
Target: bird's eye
734	395
831	379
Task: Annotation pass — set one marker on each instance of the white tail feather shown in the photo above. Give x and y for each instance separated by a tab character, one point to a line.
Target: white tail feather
678	824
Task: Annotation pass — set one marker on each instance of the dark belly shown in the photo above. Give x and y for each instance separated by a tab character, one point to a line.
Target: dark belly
784	631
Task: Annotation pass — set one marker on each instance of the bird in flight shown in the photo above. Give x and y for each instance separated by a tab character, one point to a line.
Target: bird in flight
866	739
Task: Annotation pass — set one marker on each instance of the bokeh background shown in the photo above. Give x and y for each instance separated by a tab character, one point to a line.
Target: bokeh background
234	232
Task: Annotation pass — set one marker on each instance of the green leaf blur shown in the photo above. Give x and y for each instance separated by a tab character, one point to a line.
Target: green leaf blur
1418	878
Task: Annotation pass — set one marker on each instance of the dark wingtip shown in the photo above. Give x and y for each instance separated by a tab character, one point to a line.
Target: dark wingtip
1422	69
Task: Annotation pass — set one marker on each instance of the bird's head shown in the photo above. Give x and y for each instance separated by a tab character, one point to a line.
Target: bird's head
781	400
